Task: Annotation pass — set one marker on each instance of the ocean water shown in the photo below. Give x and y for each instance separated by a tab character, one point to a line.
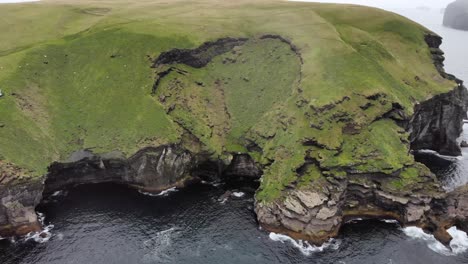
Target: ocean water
108	223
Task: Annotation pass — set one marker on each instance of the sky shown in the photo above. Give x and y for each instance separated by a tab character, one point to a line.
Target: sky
16	1
375	3
390	3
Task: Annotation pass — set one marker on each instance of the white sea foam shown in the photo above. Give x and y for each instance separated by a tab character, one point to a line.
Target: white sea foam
40	217
214	184
459	243
390	221
429	151
59	193
163	193
238	194
355	220
41	236
60	236
55	197
158	246
304	246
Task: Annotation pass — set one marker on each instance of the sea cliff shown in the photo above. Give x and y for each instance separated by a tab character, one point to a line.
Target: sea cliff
323	106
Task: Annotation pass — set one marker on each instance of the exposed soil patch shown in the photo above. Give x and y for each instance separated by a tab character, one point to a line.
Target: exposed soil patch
32	104
201	56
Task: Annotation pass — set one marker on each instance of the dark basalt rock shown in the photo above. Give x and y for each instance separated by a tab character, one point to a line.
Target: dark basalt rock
242	167
201	56
438	122
456	15
209	170
434	42
160	167
197	57
152	168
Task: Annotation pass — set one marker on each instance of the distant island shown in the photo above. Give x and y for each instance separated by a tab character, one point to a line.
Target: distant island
456	15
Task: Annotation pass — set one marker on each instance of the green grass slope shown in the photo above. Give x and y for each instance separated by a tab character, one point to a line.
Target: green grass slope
77	74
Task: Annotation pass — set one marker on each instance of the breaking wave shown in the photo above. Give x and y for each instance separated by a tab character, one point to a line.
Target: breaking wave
163	193
459	243
158	246
390	221
304	246
41	236
238	194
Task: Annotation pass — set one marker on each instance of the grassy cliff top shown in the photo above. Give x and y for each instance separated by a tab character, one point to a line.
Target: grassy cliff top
311	82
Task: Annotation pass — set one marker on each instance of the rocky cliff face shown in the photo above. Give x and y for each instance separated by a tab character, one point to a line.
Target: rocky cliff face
456	211
242	167
152	168
343	191
317	213
18	199
456	15
438	122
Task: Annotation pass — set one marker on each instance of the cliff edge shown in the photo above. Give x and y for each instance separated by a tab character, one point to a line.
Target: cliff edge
323	105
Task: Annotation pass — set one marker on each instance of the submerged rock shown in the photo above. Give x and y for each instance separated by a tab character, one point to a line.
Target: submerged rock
456	15
464	144
223	198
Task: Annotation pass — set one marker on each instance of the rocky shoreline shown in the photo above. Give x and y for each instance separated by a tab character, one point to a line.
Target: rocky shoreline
315	214
152	169
17	210
318	215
